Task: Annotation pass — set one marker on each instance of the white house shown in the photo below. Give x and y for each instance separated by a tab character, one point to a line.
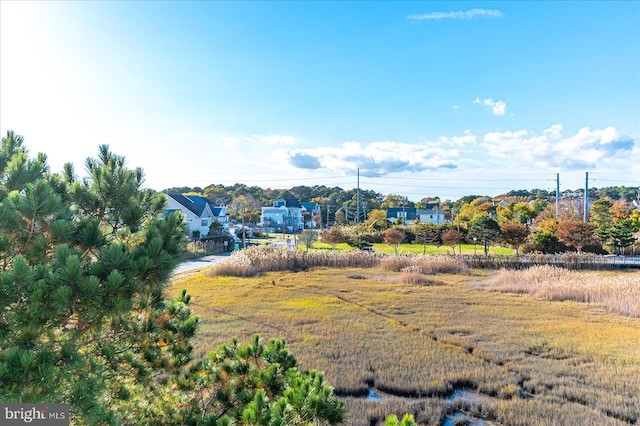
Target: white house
198	212
435	216
284	216
410	214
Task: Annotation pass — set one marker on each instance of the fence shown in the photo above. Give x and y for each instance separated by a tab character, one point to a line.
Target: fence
569	261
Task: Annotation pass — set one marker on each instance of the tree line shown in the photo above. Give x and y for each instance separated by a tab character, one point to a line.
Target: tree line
340	206
613	227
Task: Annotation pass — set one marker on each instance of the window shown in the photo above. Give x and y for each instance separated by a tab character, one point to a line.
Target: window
204	222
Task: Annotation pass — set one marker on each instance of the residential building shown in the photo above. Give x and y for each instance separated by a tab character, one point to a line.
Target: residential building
435	216
311	214
406	214
199	213
410	214
284	216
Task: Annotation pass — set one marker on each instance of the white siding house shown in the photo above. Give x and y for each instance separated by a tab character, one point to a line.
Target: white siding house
198	212
284	216
435	216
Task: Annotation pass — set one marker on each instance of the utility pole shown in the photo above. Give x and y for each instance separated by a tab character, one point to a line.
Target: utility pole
404	214
358	199
585	214
557	195
244	244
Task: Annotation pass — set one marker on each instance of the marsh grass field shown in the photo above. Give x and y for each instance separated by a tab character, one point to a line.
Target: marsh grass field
446	347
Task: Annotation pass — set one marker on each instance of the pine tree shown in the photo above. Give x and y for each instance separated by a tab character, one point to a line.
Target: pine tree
82	268
256	384
83	319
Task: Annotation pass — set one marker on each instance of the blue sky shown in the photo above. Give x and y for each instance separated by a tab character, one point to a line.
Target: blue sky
425	98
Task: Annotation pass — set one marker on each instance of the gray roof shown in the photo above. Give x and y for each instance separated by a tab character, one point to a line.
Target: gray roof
410	212
193	203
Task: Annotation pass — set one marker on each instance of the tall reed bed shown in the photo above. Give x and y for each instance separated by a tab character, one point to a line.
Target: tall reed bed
255	260
619	293
424	264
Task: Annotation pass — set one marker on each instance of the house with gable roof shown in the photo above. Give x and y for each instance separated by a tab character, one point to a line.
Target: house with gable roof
199	213
410	214
284	216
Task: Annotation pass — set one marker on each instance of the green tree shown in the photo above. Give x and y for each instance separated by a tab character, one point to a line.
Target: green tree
621	235
600	217
82	316
254	384
83	319
485	230
216	228
426	233
545	242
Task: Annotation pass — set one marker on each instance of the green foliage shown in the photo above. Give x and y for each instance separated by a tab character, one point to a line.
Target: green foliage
82	267
392	420
359	243
545	242
254	384
621	234
427	233
215	228
484	230
83	319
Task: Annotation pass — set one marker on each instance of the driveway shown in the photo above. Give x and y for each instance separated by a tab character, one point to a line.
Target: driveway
202	262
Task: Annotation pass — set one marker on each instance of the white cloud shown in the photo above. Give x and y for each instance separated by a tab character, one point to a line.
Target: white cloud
467	14
554	132
469	139
237	143
374	159
275	139
584	150
497	107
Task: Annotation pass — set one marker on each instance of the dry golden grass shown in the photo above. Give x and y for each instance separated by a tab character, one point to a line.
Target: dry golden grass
431	264
255	260
578	363
617	292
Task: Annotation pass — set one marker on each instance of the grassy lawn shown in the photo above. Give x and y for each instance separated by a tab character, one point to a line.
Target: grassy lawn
386	248
521	360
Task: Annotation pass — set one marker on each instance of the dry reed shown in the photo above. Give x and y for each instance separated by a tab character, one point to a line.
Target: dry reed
255	260
424	264
620	293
